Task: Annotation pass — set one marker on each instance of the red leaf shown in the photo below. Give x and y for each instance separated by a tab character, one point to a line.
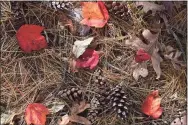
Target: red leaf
36	114
94	14
29	38
142	55
151	105
89	58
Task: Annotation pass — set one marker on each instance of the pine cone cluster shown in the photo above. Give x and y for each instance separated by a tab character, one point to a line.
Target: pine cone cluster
119	9
113	98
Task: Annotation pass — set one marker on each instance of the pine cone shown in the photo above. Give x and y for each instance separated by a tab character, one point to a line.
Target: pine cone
102	88
61	5
94	109
74	94
118	9
118	102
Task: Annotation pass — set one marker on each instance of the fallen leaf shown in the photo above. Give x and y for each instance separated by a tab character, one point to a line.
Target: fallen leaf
140	70
180	121
29	38
150	6
78	108
151	105
142	55
80	46
151	48
7	118
94	14
36	114
89	59
64	21
64	120
156	60
174	57
79	119
55	107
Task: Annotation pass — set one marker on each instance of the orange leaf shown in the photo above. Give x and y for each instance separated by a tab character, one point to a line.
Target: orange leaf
94	14
151	105
36	113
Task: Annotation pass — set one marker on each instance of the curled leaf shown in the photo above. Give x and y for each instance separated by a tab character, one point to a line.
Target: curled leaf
36	114
94	14
29	37
151	105
80	46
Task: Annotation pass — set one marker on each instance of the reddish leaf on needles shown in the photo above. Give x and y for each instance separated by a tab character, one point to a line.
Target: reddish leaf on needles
89	58
29	38
36	114
142	55
94	14
151	105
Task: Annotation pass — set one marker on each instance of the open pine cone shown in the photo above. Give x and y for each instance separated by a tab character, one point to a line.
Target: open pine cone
119	9
74	94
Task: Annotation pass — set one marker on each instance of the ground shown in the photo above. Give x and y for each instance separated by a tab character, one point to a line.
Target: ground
34	77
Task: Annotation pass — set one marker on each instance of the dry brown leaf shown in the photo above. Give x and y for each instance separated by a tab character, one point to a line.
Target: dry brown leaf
64	120
180	121
150	6
76	108
174	57
79	119
151	48
64	21
156	59
140	70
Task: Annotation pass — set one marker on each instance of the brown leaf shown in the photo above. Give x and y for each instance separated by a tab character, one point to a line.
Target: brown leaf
79	119
65	21
150	6
180	121
150	48
64	120
156	59
76	108
174	57
140	70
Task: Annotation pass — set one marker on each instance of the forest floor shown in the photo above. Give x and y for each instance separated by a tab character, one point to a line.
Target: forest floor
36	76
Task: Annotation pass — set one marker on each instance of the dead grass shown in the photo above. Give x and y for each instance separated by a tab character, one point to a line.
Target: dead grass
35	77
